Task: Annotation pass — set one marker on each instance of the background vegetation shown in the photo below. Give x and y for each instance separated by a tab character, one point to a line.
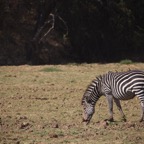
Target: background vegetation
60	31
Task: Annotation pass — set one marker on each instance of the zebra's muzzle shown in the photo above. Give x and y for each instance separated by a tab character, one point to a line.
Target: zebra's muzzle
86	121
87	118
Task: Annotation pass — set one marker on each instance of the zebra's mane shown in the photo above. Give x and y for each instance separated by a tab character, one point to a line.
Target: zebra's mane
91	87
94	82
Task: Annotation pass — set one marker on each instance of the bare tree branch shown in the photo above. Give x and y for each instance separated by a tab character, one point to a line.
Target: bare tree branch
64	25
52	23
51	28
42	27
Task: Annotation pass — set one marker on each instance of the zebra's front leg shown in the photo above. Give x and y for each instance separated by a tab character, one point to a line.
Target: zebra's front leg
142	117
110	104
120	109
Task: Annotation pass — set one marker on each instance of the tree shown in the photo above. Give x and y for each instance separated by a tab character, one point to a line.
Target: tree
57	31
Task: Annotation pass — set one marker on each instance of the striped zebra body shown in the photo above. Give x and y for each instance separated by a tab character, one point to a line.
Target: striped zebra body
124	85
115	86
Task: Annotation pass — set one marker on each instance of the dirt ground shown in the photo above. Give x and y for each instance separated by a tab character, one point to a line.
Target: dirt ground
42	105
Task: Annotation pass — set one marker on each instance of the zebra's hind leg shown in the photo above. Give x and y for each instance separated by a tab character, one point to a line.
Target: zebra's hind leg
120	109
142	117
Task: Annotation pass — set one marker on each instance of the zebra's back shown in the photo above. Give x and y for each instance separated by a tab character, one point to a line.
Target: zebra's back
126	85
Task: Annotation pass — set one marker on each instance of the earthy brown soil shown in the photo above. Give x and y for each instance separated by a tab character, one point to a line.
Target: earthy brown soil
42	105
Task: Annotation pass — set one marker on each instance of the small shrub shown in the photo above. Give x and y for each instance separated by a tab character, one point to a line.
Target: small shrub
126	61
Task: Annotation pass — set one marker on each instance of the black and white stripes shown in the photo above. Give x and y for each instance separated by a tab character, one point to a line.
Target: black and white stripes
115	86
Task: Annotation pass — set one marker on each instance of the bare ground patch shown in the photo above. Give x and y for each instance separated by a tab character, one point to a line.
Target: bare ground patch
42	105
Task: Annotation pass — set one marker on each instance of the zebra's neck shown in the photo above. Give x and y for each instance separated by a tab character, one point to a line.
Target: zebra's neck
93	91
106	81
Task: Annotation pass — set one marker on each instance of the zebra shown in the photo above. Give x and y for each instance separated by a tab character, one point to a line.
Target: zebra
114	86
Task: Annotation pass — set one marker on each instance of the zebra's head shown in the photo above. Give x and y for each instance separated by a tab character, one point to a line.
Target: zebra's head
89	109
89	99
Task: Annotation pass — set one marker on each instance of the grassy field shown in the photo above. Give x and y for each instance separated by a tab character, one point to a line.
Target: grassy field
42	105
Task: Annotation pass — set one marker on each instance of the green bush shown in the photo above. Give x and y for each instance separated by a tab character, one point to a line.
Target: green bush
126	61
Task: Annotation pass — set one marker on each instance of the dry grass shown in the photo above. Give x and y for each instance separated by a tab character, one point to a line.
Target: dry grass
42	105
